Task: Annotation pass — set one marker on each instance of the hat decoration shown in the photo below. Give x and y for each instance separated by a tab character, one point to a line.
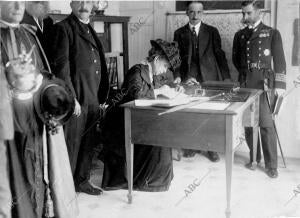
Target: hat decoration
170	49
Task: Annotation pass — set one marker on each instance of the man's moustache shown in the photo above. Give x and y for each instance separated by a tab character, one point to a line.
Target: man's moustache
83	10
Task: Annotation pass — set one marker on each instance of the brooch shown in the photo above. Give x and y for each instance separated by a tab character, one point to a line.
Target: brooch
266	52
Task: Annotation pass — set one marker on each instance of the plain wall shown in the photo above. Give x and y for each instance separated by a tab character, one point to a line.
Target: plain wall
289	118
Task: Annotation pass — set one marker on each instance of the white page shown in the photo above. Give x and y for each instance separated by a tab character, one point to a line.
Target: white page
212	106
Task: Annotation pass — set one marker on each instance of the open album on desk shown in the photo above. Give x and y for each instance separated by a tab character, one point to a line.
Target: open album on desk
163	102
169	98
171	93
208	99
182	100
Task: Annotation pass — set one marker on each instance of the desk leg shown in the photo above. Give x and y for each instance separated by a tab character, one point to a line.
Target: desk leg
229	155
129	153
256	133
254	122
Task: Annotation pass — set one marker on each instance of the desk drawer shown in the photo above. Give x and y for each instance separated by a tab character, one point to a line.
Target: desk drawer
179	129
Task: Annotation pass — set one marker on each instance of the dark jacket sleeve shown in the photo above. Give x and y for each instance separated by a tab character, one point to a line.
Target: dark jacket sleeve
136	87
176	72
236	55
220	55
60	63
278	60
236	52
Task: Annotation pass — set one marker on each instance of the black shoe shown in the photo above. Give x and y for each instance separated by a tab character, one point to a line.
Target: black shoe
189	153
213	156
87	188
272	173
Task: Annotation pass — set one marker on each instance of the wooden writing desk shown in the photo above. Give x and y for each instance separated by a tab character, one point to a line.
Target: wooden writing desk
212	130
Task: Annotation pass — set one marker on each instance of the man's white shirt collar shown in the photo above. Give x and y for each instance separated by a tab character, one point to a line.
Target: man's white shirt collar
197	27
85	22
255	25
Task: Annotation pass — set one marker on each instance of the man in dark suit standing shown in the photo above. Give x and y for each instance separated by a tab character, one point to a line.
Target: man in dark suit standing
255	49
36	14
78	58
202	56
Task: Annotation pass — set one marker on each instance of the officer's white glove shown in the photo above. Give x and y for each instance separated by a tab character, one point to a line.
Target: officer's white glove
279	92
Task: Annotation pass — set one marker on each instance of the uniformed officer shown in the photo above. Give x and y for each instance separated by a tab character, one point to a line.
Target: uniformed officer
255	49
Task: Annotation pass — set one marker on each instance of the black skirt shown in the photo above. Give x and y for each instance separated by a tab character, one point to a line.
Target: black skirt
152	165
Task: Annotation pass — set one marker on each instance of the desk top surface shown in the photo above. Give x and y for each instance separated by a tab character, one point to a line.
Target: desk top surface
232	109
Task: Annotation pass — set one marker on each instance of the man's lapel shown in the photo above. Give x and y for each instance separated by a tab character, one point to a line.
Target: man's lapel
82	32
203	37
28	19
96	39
186	34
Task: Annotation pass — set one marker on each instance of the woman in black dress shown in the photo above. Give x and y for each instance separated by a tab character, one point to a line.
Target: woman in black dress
153	168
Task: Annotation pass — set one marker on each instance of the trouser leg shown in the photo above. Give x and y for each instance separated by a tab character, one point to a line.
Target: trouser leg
269	147
73	131
249	140
90	146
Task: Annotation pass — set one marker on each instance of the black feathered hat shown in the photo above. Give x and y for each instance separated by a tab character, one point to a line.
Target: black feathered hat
170	49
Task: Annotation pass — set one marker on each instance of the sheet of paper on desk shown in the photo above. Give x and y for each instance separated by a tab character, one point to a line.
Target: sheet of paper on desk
212	106
172	94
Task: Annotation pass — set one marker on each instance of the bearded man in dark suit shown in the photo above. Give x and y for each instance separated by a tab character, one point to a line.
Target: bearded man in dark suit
202	56
78	59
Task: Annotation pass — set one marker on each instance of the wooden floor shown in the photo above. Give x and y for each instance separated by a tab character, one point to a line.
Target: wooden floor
198	190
